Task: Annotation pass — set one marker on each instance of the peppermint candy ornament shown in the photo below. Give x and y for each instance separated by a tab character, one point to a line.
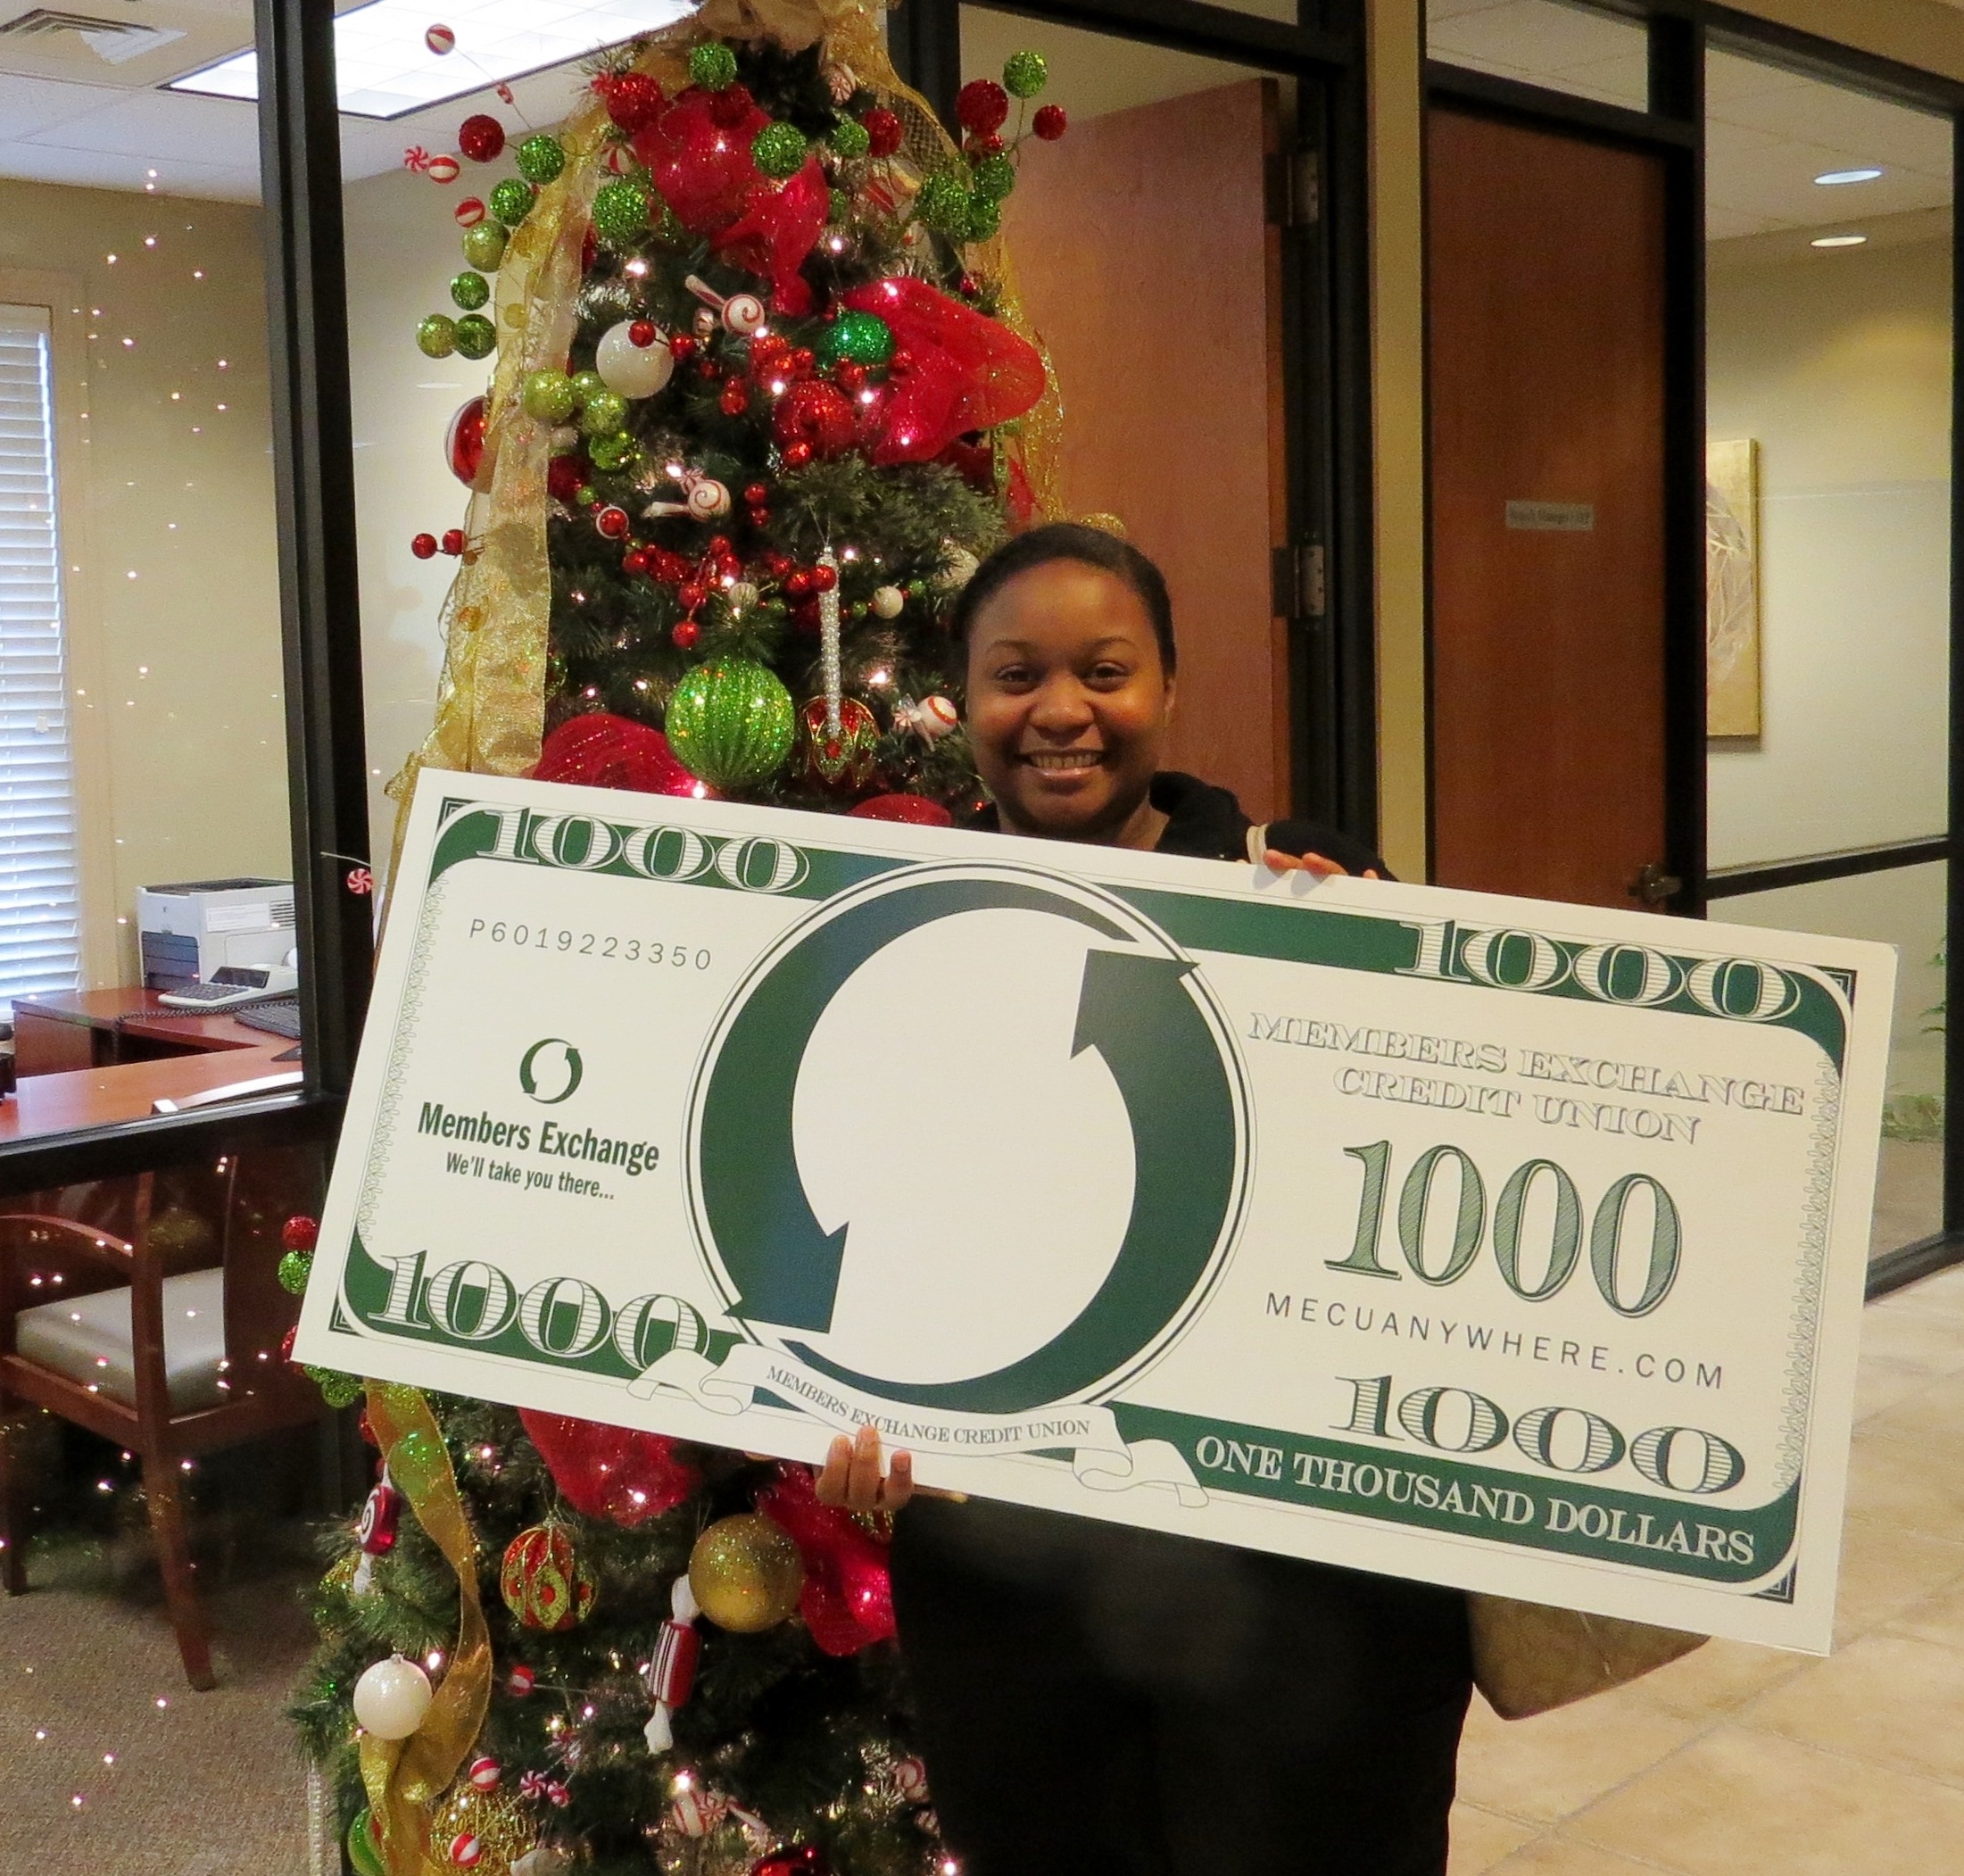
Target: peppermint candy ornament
441	41
484	1773
910	1781
696	1813
442	168
375	1531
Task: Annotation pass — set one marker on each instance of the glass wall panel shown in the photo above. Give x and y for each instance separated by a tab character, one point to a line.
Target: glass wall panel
1549	43
1829	337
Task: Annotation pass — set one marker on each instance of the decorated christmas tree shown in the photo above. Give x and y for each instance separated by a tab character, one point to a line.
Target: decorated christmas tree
760	399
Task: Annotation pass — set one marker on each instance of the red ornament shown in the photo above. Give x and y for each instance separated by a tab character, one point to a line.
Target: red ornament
468	213
423	545
797	455
286	1352
601	750
520	1681
824	579
299	1233
682	346
643	332
542	1582
851	375
565	477
464	445
817	415
634	101
798	584
360	881
731	106
442	169
698	152
756	495
792	1860
466	1849
989	146
803	617
844	761
484	1773
777	229
685	634
1051	122
381	1512
634	561
612	1472
482	138
613	523
691	594
735	400
913	810
454	541
982	105
761	518
884	128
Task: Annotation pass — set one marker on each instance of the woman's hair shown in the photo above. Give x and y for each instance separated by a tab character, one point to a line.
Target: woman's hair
1069	541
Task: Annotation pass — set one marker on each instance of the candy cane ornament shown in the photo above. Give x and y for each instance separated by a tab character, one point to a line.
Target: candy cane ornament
741	313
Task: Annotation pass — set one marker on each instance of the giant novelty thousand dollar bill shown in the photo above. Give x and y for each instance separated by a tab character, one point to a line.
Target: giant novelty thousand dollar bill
1502	1244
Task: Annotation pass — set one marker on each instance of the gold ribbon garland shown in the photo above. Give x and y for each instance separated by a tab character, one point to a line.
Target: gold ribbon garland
491	698
402	1777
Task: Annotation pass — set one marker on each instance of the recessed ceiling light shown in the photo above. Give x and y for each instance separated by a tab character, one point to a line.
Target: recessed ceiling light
386	67
1833	178
1840	241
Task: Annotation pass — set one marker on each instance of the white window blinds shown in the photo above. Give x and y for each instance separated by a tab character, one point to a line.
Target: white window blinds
40	896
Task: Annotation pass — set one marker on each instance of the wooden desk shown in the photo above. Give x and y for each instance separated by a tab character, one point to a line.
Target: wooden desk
46	1104
82	1029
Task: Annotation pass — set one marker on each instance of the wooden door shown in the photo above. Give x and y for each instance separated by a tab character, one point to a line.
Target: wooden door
1546	360
1150	267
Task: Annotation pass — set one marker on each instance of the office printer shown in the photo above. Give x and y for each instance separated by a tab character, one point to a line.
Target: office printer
189	931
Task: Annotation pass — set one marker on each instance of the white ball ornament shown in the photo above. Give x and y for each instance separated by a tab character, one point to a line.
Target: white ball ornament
889	601
957	568
935	716
390	1697
741	596
743	314
631	369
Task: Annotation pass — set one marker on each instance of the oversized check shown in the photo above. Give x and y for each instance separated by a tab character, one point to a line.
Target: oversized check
1502	1244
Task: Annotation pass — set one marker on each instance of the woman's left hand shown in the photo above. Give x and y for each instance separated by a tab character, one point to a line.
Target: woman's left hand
1277	861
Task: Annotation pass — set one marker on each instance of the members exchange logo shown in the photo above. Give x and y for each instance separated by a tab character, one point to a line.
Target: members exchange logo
972	1139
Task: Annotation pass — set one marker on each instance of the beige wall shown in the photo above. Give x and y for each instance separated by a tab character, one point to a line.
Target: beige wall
168	535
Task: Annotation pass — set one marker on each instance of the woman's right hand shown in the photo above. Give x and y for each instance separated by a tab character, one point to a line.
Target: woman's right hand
851	1474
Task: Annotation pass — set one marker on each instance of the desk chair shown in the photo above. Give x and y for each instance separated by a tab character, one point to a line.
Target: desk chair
150	1312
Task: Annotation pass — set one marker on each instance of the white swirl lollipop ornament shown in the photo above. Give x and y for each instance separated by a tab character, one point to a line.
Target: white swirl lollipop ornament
741	313
703	498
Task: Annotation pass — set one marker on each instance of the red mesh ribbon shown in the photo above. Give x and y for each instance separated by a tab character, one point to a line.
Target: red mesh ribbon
608	752
961	372
778	228
610	1471
703	169
847	1600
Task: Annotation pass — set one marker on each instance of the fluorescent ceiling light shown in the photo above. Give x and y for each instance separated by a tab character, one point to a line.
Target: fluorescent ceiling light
1839	241
1833	178
384	69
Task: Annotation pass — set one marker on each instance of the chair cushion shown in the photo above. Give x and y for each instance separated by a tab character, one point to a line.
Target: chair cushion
89	1338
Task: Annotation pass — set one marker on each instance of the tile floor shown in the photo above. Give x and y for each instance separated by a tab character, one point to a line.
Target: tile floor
1742	1761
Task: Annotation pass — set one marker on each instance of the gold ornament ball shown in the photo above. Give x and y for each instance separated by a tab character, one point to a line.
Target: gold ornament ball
497	1821
746	1573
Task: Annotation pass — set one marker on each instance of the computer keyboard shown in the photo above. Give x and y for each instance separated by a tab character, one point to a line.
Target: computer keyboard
280	1017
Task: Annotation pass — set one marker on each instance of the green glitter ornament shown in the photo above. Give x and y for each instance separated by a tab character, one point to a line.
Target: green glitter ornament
477	336
470	290
860	338
779	149
994	178
436	336
540	158
731	722
606	411
587	386
943	202
292	1272
336	1389
713	66
850	139
620	211
838	206
364	1846
614	452
1024	74
984	218
511	201
484	246
548	397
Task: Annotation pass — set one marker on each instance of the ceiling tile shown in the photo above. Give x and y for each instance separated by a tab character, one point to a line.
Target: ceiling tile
162	127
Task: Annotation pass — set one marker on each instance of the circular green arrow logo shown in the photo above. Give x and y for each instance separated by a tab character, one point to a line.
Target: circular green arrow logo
551	1070
1140	1006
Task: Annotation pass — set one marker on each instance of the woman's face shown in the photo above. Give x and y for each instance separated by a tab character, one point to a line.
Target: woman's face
1068	702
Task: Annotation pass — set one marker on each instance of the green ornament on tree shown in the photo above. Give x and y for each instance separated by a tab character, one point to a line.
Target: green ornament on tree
779	149
859	338
436	336
293	1267
587	386
713	66
995	177
984	218
548	397
484	246
606	411
1024	74
470	290
477	336
614	452
850	139
511	201
731	722
943	202
620	211
540	158
364	1846
336	1389
839	206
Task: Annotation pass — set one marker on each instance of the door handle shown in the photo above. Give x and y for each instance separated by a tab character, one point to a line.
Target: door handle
1654	886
